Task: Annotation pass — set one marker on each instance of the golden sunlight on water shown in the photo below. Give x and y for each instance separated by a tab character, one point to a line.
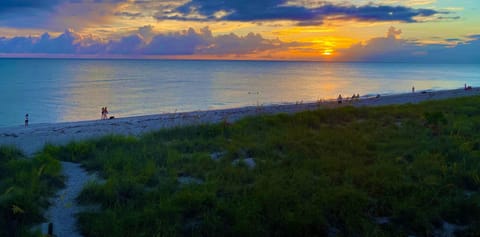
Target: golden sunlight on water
90	90
72	90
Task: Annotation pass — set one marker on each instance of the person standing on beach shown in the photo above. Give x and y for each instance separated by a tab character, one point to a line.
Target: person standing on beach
339	99
26	120
413	89
103	113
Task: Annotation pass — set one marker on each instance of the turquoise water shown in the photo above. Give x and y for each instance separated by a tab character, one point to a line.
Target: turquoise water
56	90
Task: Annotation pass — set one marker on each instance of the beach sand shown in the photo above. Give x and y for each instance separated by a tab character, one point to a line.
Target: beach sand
35	136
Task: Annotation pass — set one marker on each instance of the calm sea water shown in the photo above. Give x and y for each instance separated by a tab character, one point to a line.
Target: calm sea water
55	90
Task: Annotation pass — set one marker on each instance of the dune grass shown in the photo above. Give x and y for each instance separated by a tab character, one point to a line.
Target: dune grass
386	171
25	185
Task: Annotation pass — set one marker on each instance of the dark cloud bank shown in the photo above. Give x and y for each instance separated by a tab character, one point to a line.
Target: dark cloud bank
267	10
249	10
37	13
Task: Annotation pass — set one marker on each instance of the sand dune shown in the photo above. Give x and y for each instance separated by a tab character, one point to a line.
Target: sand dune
33	138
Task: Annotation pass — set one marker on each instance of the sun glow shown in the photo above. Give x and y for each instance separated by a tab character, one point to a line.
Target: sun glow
327	52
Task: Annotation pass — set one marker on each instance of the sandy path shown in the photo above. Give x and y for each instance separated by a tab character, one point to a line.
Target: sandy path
33	138
64	208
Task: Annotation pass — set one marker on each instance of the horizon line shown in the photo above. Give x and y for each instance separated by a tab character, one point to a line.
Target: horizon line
182	58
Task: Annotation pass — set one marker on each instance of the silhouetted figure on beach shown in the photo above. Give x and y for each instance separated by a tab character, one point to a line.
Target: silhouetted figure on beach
413	89
104	113
26	120
339	99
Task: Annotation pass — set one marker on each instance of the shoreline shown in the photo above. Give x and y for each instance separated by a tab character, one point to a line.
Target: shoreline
33	138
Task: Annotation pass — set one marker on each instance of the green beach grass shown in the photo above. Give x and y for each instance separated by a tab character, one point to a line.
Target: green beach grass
25	185
383	171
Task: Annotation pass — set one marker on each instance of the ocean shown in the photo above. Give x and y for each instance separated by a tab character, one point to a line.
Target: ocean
60	90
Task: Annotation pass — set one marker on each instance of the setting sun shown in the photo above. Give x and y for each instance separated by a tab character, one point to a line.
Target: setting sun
327	52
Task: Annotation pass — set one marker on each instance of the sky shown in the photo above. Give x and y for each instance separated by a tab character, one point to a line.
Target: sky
431	31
